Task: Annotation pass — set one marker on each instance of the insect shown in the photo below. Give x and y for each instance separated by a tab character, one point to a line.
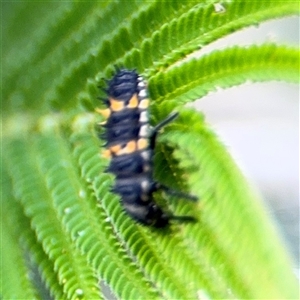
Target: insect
130	143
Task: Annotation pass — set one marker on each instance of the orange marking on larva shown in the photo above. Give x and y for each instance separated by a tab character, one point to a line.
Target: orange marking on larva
104	112
133	102
116	105
106	153
131	147
142	144
115	149
144	104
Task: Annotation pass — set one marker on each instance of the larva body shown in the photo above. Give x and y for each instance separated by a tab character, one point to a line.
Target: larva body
130	145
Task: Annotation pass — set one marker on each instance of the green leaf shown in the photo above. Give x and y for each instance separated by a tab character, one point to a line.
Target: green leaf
226	216
14	264
64	233
223	69
32	188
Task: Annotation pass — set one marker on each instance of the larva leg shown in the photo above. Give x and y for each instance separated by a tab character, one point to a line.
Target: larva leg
159	186
159	126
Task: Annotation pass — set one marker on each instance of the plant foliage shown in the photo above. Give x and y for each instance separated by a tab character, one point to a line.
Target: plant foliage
63	232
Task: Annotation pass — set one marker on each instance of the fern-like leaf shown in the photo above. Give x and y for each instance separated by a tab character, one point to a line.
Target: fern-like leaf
64	232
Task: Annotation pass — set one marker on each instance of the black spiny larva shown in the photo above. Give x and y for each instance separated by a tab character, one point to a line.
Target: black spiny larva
130	145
